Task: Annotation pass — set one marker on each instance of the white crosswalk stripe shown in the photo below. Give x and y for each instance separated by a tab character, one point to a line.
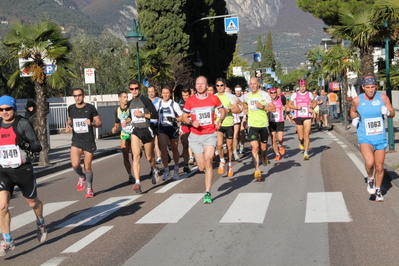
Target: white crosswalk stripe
248	208
87	239
326	207
172	209
98	212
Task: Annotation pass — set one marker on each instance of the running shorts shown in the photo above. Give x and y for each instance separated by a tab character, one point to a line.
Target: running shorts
23	177
258	133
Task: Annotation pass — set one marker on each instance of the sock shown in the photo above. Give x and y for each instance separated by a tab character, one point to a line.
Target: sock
167	170
222	160
137	181
370	178
79	171
278	154
229	164
176	168
89	178
301	141
40	222
305	152
7	237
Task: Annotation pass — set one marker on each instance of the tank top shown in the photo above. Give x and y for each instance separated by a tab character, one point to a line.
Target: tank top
302	100
277	116
371	125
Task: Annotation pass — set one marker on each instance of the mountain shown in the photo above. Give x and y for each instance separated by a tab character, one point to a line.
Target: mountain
294	31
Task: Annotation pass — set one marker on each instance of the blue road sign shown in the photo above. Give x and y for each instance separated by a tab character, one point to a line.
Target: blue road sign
49	69
257	57
268	70
146	83
231	25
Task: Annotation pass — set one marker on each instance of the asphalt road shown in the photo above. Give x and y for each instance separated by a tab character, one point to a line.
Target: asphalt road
314	212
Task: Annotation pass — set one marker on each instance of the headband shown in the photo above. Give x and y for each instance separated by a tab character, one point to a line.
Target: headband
369	81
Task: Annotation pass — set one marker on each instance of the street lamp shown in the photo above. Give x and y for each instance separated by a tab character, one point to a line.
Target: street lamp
135	36
198	63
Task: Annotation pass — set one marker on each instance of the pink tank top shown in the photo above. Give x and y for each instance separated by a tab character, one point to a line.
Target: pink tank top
277	116
304	102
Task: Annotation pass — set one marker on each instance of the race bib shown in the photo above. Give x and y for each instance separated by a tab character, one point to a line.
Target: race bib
79	125
167	119
136	119
275	117
127	128
252	104
303	112
11	156
374	126
204	115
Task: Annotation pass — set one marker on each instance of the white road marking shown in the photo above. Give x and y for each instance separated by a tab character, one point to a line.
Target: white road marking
54	261
169	186
248	208
359	164
87	239
172	209
326	207
29	216
95	214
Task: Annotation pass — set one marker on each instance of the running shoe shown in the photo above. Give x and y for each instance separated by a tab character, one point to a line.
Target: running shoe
241	150
301	147
81	184
207	198
176	175
216	153
265	161
187	169
166	176
378	196
230	171
278	157
158	161
41	233
191	161
306	156
155	176
258	175
370	186
131	179
281	150
89	193
137	187
6	247
236	157
221	168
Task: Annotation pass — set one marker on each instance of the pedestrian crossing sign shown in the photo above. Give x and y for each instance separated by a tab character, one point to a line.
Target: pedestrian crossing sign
231	25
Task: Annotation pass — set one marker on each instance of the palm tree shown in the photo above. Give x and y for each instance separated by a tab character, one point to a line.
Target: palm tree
359	28
38	43
336	63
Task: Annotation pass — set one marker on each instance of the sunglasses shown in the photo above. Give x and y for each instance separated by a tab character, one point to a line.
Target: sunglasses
7	109
134	89
78	95
219	85
273	92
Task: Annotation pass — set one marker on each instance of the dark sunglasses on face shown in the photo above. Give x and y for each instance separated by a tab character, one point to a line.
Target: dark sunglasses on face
219	85
78	95
134	89
273	92
7	109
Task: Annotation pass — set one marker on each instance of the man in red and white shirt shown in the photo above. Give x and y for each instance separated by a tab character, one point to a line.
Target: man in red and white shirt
200	107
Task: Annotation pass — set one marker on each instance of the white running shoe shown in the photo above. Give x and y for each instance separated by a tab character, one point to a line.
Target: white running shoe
236	157
155	176
370	186
191	161
378	196
176	175
166	176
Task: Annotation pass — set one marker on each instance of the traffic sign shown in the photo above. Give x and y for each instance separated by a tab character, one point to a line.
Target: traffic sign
257	57
146	83
231	25
49	69
90	76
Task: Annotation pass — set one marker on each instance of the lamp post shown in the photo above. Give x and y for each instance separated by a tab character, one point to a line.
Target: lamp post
135	36
318	61
391	136
198	63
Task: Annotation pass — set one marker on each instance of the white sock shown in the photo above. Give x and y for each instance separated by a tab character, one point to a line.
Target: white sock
222	160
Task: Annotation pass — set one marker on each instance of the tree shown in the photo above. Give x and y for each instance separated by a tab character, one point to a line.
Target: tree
237	61
335	65
259	49
268	58
36	42
328	10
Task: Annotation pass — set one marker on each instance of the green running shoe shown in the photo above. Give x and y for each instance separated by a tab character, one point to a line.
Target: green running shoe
207	198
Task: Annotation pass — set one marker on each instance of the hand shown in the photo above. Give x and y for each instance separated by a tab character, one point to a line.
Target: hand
113	130
68	128
88	122
137	112
385	111
24	146
355	121
258	105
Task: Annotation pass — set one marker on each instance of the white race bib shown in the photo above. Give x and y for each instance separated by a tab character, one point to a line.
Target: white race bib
303	112
79	125
136	119
204	115
252	104
11	156
275	117
374	126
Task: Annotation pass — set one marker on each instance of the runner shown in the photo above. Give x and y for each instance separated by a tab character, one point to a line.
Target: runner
184	133
82	119
17	137
122	117
367	112
169	113
202	140
238	137
152	95
323	107
226	131
316	110
302	105
141	111
257	103
276	124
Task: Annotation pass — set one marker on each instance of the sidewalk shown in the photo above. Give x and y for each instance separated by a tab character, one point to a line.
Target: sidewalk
391	157
59	154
